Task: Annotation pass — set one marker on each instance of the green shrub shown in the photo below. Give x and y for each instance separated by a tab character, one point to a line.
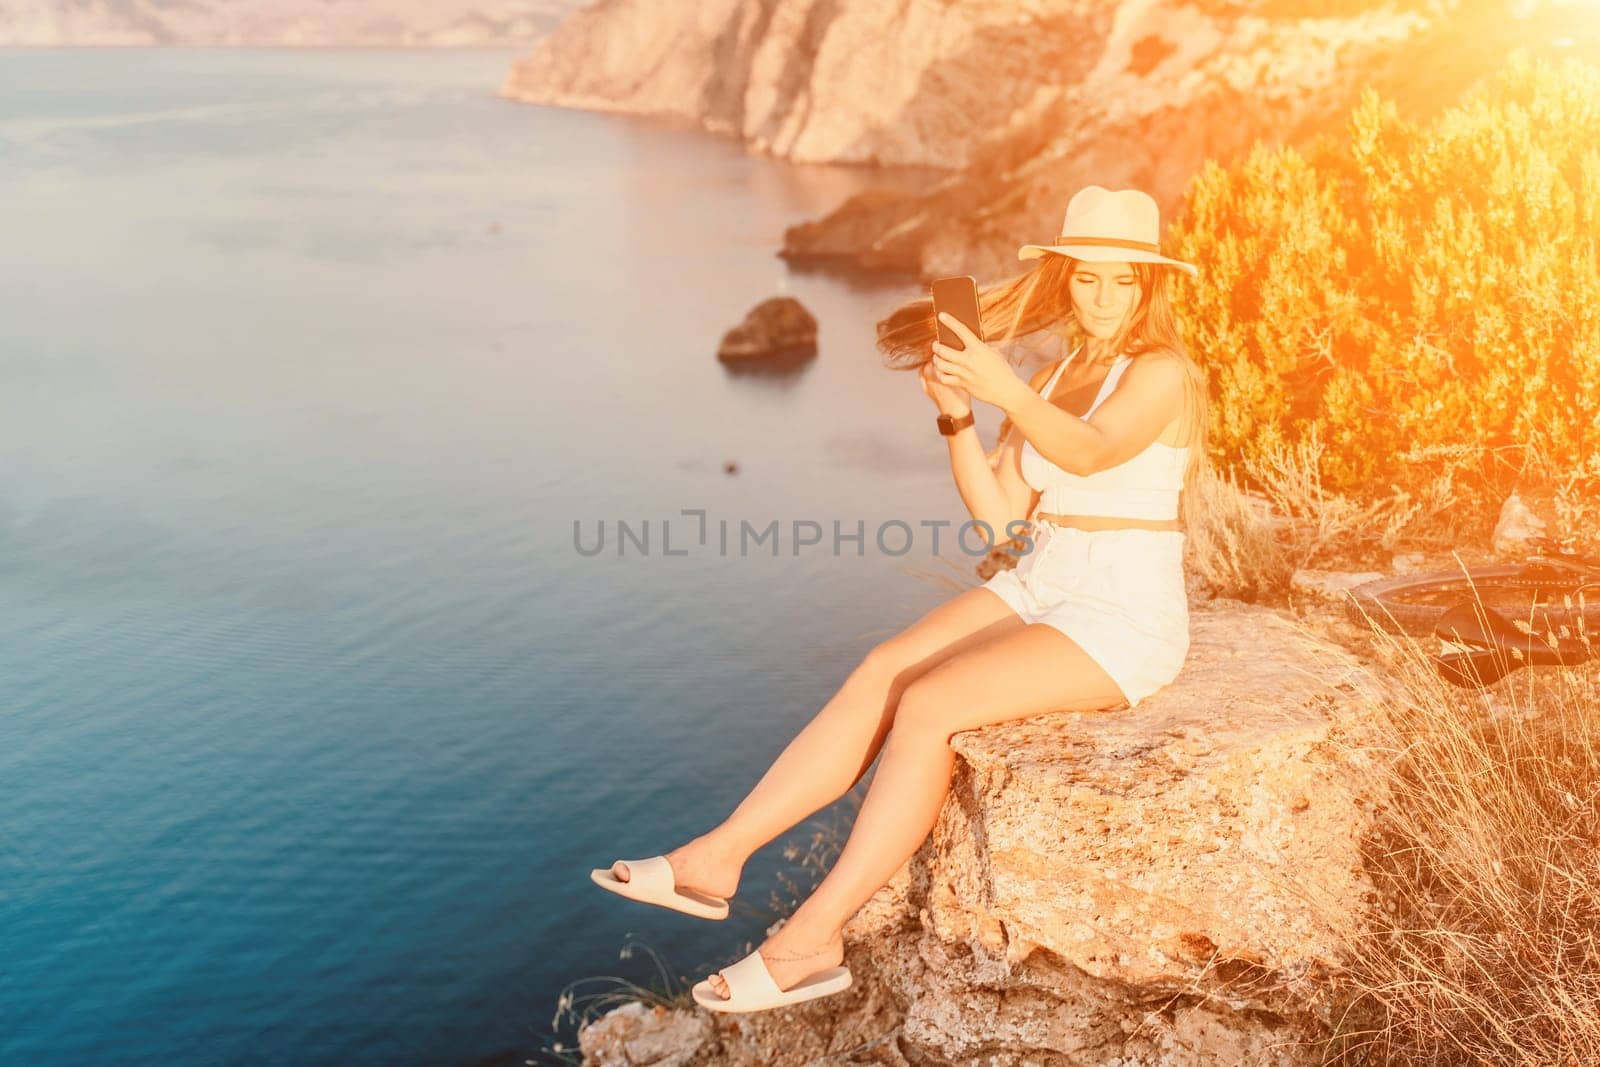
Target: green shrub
1409	290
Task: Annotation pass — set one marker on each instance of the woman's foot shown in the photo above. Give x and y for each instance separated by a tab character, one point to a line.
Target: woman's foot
700	866
792	956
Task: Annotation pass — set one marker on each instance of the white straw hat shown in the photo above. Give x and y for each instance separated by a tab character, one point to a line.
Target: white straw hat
1103	226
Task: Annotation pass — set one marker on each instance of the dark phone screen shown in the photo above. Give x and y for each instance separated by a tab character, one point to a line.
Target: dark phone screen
958	296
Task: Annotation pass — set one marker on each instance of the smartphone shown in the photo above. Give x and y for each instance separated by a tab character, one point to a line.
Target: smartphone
958	296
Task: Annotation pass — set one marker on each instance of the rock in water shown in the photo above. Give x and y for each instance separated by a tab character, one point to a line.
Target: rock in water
773	328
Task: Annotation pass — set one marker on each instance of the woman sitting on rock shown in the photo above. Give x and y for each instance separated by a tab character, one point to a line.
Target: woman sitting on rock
1094	452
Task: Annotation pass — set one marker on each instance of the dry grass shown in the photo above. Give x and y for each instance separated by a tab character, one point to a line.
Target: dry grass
809	859
586	999
1329	527
1256	540
1236	551
1252	541
1479	946
1568	494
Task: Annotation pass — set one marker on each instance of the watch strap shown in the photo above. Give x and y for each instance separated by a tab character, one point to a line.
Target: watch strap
949	425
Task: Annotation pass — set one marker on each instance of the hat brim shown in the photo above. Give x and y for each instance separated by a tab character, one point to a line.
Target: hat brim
1095	254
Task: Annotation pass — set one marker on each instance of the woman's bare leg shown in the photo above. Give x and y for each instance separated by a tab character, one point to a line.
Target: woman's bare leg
835	749
1029	671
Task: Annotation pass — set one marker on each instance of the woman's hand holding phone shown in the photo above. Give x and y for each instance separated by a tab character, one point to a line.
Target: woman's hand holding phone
978	370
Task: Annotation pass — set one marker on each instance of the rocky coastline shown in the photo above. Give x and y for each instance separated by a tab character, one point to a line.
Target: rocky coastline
1018	103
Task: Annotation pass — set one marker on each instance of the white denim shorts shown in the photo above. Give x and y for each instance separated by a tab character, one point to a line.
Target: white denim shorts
1118	593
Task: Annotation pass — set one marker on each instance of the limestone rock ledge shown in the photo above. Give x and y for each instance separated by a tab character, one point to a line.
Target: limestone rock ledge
1131	887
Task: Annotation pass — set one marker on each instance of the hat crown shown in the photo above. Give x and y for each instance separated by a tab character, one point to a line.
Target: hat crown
1125	214
1109	225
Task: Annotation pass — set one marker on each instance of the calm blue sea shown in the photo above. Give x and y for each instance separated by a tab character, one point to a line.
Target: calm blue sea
312	718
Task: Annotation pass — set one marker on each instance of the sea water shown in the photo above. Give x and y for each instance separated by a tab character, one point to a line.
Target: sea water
313	717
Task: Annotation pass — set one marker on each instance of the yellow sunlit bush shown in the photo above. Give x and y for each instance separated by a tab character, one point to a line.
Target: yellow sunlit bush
1412	297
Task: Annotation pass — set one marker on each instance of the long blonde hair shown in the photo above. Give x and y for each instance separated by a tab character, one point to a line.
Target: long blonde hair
1039	300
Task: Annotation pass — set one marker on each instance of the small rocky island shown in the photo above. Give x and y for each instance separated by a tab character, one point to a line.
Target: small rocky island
776	329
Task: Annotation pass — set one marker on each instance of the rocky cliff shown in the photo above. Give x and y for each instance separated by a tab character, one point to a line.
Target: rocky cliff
890	82
1022	100
1140	887
1178	86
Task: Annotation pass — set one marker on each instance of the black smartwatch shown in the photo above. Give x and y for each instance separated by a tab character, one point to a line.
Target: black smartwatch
949	424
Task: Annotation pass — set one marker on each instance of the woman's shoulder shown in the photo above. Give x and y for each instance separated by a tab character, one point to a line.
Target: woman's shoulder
1159	354
1164	366
1156	352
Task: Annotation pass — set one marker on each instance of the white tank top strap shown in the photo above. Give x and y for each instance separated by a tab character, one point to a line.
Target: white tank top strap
1050	385
1107	383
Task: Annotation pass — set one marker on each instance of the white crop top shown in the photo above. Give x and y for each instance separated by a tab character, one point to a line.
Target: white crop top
1143	487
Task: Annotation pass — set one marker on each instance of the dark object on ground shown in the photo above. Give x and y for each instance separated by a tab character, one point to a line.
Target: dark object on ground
730	467
1487	647
1554	590
774	328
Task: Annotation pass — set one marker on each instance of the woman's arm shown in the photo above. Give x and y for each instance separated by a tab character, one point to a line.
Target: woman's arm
1145	400
995	495
1021	498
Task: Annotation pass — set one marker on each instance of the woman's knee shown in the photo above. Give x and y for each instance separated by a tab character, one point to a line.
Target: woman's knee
899	669
923	712
889	663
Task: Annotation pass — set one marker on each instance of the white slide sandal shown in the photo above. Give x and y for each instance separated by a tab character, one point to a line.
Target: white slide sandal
752	988
651	882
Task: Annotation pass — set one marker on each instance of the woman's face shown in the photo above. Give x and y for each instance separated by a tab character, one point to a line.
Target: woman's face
1103	295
